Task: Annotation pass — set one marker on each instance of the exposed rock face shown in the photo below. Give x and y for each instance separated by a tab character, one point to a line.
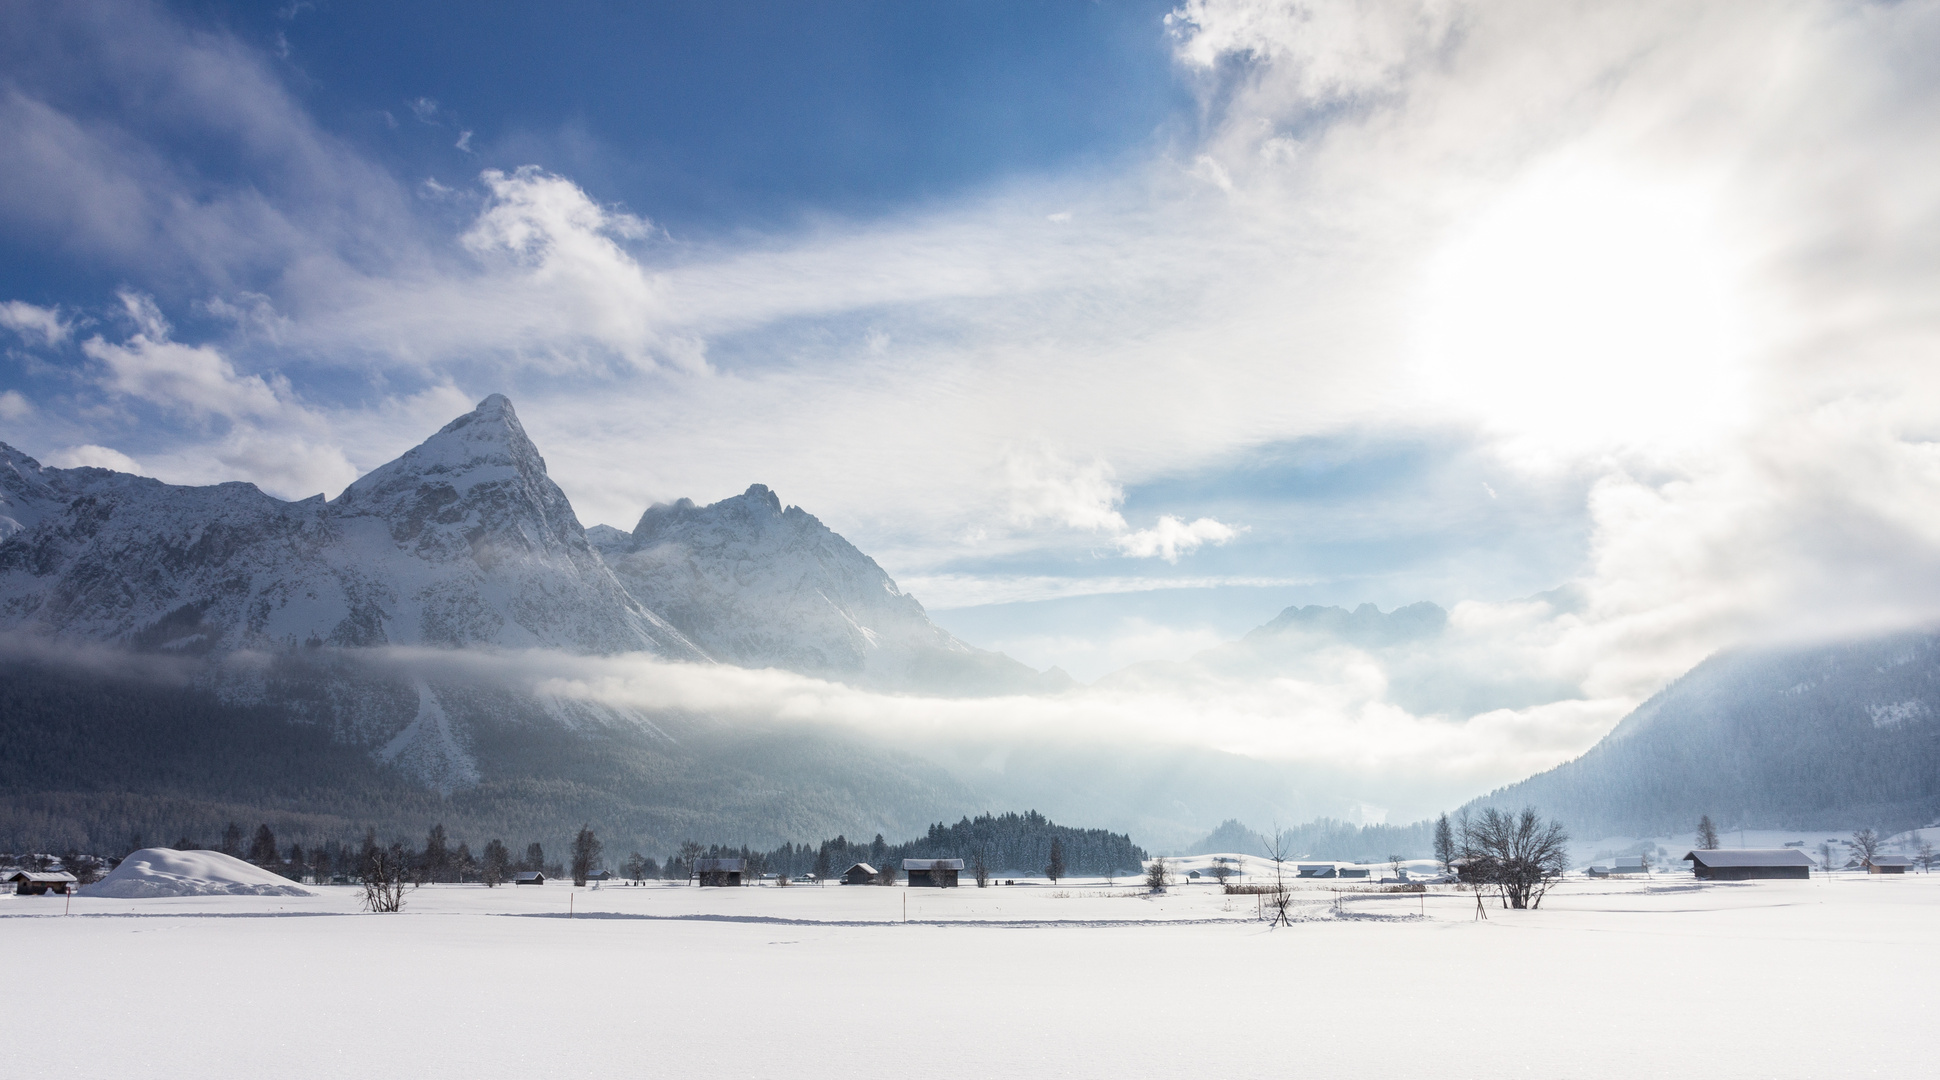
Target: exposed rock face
758	585
462	541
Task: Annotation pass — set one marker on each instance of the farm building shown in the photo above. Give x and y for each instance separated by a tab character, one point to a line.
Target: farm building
859	874
1317	870
528	877
1888	864
722	873
932	873
1353	871
603	875
41	882
1745	864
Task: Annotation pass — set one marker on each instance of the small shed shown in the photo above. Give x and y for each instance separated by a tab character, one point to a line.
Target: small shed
932	873
1888	864
1353	871
1746	864
42	882
859	874
720	872
603	875
528	877
1317	870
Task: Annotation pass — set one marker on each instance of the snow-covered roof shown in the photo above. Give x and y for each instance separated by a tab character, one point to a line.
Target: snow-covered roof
1890	860
1750	857
932	864
43	877
862	866
719	866
528	875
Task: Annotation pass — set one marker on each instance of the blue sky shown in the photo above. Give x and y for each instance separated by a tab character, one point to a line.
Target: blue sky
1108	329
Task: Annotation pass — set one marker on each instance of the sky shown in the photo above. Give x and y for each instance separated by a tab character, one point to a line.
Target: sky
1110	330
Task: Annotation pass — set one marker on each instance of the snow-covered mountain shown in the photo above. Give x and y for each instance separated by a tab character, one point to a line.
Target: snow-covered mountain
758	585
462	541
1818	736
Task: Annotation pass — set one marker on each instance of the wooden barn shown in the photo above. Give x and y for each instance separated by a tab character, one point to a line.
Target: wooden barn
1746	864
41	882
720	873
932	873
859	874
1888	864
528	877
1316	870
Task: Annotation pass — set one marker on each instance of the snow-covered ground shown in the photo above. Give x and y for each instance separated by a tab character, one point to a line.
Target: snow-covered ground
1622	978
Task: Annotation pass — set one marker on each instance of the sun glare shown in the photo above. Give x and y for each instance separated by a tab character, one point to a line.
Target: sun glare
1585	310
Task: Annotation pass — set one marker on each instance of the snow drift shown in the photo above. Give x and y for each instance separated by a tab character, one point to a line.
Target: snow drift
166	872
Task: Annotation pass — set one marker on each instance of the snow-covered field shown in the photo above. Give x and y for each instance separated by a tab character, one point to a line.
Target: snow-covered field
1621	978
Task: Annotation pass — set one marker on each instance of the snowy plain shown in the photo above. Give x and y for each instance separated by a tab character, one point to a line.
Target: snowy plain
1663	976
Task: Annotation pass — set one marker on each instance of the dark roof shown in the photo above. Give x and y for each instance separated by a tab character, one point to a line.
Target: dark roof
719	866
932	864
1750	857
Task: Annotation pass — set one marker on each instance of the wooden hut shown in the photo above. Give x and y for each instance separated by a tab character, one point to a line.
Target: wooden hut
932	873
719	872
1746	864
1888	864
1315	870
859	874
41	882
528	877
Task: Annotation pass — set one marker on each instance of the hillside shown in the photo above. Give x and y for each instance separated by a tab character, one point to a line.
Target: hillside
1828	736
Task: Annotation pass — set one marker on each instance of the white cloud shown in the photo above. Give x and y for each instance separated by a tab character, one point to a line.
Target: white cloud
96	457
1172	537
14	405
31	322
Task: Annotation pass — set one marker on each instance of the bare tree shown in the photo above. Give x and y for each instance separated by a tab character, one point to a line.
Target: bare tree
1157	875
886	874
1519	854
1394	863
1280	897
1825	855
1925	854
1222	871
1707	834
1865	844
383	876
980	867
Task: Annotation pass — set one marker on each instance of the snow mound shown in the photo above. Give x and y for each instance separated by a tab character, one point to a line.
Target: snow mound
166	872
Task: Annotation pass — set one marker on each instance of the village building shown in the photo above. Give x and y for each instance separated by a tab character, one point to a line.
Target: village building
1888	864
932	873
1316	870
41	882
1746	864
528	877
719	873
859	874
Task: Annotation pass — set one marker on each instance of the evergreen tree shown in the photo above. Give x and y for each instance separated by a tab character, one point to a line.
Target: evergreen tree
232	840
878	850
497	864
262	849
437	857
586	855
297	862
1444	843
823	867
535	857
1055	868
1707	834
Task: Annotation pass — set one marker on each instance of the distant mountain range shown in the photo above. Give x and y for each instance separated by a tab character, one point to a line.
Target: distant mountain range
463	542
146	626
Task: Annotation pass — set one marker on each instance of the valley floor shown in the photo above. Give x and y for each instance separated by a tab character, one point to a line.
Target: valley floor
1621	978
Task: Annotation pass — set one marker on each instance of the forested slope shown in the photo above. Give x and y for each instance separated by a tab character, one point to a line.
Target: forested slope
1832	736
